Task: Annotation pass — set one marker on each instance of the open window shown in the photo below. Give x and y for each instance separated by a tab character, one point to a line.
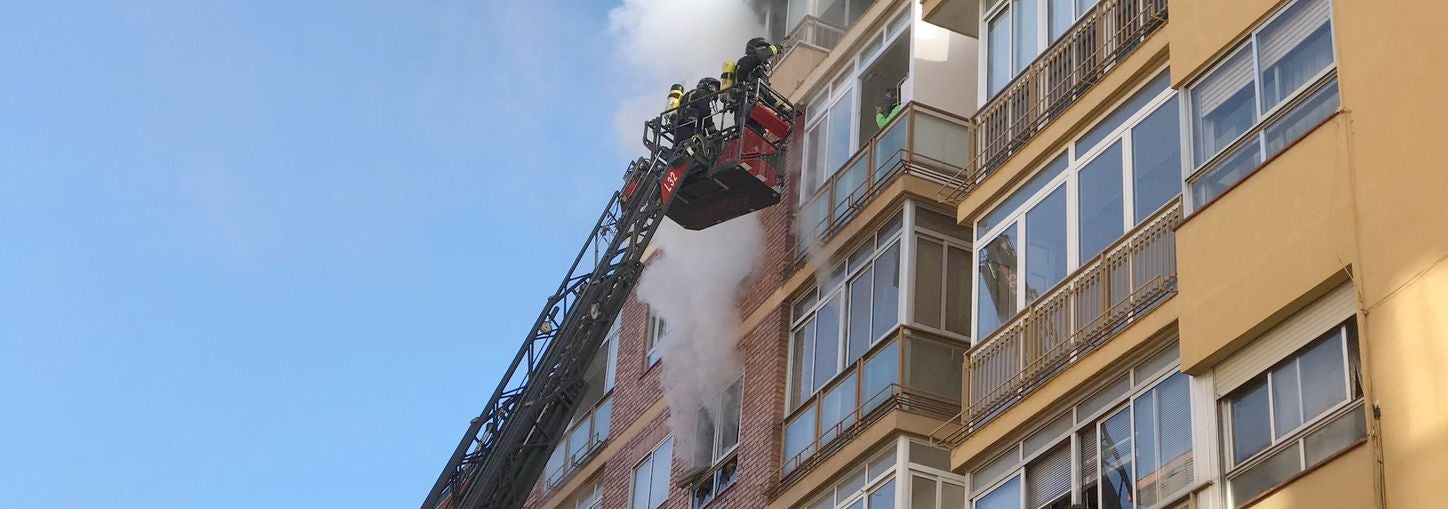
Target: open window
880	88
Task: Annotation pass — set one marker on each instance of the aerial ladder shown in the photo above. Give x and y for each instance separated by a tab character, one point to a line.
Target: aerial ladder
712	176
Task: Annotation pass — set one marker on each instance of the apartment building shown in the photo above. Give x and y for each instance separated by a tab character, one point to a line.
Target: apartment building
1105	254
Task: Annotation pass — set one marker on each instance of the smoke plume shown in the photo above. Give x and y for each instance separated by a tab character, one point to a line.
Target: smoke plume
694	282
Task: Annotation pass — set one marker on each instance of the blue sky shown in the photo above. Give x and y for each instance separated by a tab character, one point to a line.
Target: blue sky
262	254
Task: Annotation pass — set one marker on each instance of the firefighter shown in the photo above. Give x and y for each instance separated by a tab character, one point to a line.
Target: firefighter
755	62
696	110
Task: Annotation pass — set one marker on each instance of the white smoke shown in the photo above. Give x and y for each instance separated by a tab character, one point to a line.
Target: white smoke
695	282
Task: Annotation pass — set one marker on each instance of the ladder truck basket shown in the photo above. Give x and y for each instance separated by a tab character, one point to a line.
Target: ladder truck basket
734	169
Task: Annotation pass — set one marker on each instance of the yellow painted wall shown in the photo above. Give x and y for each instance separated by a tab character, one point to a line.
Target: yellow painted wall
1345	482
1379	174
1259	249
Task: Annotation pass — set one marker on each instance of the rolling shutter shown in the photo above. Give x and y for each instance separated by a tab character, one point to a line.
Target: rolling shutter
1284	339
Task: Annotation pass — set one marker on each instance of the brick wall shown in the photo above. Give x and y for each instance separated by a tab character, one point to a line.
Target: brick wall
764	351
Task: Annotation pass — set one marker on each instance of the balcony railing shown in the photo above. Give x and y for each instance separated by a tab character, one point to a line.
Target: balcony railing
1077	315
1102	38
584	439
922	141
911	370
814	32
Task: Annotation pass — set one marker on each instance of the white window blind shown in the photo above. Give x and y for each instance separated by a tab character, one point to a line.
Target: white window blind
1049	477
1289	30
1224	82
1284	339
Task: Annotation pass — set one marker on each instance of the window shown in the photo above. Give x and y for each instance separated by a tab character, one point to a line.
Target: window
658	331
1267	94
1018	30
1118	174
590	498
589	427
651	477
868	486
942	274
1302	411
718	438
1128	446
836	323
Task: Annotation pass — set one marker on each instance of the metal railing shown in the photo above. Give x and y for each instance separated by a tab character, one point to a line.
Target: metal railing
814	32
1102	38
582	441
911	370
922	140
1077	315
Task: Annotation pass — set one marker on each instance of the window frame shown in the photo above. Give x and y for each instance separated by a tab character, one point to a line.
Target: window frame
658	329
1263	118
650	459
884	238
720	459
1044	39
1139	383
1077	160
1344	334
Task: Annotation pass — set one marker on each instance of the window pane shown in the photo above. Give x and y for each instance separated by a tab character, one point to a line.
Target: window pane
929	456
934	368
1024	14
1293	49
815	146
1333	438
952	496
922	493
1174	411
957	290
884	496
1139	100
1250	426
1062	14
1050	476
1156	160
1324	377
827	342
882	463
929	261
801	379
1265	475
838	151
1222	107
1286	399
1104	398
1100	202
729	420
1227	172
1046	244
659	486
997	283
798	435
859	319
855	482
887	291
602	420
1006	496
1083	5
837	409
704	450
998	63
642	475
881	371
1020	196
1144	409
1116	461
1302	118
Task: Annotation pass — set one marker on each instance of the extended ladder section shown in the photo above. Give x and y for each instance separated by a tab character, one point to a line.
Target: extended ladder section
727	173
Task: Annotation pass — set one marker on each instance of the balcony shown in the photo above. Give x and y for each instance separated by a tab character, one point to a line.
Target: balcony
911	370
1092	305
1102	38
814	32
922	141
582	441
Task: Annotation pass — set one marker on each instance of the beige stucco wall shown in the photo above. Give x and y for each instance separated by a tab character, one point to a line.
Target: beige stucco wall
945	69
1259	249
1366	191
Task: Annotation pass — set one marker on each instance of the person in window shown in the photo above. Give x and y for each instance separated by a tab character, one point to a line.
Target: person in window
888	109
